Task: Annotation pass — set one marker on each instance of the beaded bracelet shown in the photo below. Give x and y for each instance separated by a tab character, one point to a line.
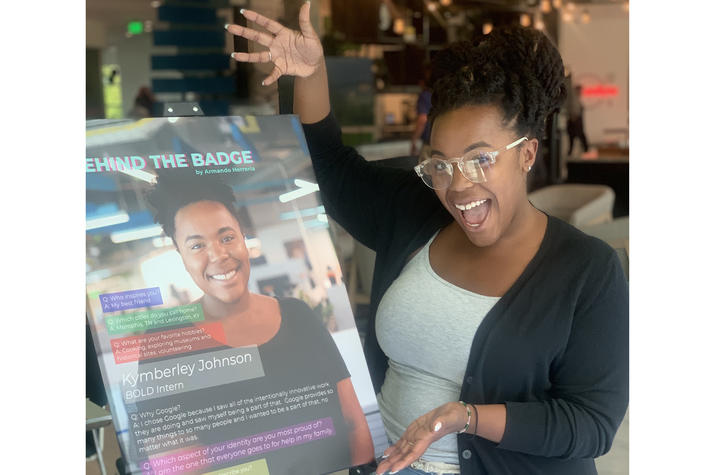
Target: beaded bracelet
476	419
468	421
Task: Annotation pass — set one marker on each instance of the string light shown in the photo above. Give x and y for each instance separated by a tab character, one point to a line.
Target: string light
525	19
557	4
585	17
409	34
546	6
538	24
445	3
399	26
487	27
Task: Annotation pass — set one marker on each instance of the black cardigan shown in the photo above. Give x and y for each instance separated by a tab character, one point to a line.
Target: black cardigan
554	348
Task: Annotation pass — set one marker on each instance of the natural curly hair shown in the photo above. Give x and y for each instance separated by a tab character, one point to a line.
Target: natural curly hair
515	68
174	191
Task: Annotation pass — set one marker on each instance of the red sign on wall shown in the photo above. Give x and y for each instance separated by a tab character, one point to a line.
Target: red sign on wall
600	90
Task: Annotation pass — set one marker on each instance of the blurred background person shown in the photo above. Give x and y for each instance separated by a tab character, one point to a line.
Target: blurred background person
144	103
574	126
423	106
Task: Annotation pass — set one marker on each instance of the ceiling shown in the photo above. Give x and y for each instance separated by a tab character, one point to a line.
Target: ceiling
116	13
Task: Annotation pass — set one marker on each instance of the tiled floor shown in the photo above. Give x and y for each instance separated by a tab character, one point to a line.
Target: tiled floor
110	453
613	463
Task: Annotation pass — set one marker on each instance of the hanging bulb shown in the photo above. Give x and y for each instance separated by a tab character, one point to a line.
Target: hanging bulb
431	6
525	19
567	16
625	7
487	27
399	26
545	6
570	6
445	3
585	17
557	4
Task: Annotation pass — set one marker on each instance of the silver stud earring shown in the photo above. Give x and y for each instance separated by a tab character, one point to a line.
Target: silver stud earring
529	168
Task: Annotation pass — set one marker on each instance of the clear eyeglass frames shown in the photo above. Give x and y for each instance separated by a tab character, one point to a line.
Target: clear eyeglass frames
475	165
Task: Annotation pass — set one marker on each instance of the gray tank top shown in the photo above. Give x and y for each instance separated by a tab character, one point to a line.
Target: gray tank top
425	325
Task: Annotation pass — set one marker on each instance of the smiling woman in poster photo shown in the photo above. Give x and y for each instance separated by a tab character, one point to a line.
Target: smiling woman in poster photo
200	216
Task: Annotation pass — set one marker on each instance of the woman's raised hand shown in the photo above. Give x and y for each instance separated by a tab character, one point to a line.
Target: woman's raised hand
297	53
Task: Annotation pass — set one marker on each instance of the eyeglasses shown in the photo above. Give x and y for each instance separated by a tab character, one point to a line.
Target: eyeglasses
437	173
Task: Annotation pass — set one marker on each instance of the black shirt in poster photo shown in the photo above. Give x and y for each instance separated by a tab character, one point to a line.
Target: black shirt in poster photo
301	354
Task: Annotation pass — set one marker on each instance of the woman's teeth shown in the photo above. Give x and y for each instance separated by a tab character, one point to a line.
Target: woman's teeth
468	206
226	276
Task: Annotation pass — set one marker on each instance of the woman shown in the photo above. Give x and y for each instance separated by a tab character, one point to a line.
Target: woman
490	319
295	349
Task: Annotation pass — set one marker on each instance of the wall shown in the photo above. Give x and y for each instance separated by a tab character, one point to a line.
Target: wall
598	52
94	103
95	41
133	56
95	34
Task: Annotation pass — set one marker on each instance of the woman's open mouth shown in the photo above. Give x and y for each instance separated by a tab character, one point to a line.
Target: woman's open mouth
474	213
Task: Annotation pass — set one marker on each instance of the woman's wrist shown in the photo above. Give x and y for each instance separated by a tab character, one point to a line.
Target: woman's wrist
454	419
311	95
467	417
467	411
476	419
489	421
318	69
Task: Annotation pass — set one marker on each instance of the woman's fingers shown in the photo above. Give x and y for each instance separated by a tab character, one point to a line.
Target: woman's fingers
305	23
406	458
261	57
296	53
250	34
388	458
389	450
270	25
383	466
273	76
412	444
417	437
399	459
401	454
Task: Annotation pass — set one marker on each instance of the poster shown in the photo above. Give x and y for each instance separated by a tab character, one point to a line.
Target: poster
222	325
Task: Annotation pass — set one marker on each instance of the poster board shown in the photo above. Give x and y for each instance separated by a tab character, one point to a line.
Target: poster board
222	326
